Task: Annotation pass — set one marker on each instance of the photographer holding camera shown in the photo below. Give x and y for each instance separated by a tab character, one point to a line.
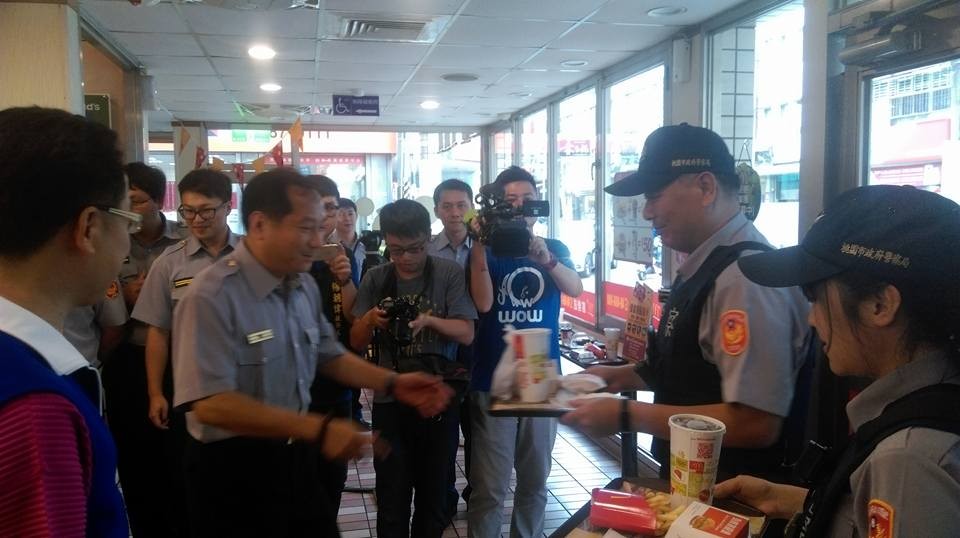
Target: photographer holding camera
416	311
529	274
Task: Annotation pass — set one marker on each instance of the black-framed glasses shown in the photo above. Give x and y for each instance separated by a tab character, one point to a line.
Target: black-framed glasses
330	207
416	248
134	220
206	213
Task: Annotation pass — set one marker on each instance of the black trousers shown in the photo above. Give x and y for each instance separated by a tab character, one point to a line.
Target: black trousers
332	474
148	459
418	462
253	488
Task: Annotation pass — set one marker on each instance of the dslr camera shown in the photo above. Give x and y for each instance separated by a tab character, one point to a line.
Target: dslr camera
502	226
401	312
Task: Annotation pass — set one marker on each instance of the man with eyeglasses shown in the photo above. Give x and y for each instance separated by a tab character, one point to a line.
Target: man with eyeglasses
420	447
57	461
139	443
204	206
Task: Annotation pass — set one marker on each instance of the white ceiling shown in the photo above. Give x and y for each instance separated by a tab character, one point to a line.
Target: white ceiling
197	54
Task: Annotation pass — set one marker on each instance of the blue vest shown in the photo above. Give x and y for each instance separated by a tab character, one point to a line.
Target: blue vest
525	296
24	372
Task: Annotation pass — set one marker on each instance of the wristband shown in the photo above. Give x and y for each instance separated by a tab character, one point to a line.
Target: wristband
388	386
625	415
551	263
324	422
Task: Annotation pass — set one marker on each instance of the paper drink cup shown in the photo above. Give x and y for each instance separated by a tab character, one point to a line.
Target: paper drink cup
532	352
611	337
694	455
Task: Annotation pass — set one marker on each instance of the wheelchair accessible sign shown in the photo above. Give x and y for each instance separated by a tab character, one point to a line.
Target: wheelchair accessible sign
351	105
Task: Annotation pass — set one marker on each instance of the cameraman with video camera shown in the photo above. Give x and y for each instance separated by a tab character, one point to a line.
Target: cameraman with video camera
416	311
529	274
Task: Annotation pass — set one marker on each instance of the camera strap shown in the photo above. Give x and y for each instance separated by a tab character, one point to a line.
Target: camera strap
389	289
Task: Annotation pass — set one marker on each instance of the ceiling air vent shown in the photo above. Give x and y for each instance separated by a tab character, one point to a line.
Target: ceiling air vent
367	28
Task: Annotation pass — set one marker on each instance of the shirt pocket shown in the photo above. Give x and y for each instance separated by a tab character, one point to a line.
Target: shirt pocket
313	339
255	365
177	291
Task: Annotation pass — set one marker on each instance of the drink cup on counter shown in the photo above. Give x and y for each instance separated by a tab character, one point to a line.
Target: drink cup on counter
694	455
611	338
532	352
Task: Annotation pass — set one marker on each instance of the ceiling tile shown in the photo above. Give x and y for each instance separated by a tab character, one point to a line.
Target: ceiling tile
159	44
222	106
286	98
372	52
413	101
635	11
433	74
367	87
127	17
557	10
504	32
159	121
191	95
551	59
177	65
362	72
444	89
466	57
294	23
613	37
264	70
187	82
545	78
437	7
251	83
236	47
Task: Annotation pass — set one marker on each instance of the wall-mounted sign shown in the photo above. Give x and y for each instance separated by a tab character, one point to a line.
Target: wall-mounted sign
97	108
351	105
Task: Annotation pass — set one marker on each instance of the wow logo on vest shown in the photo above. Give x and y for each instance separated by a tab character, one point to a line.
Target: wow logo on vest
523	287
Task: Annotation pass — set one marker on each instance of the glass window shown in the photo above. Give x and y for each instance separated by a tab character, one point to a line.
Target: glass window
914	133
632	253
534	139
756	91
502	151
576	214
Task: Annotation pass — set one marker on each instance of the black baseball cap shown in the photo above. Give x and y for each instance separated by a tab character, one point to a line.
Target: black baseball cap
674	150
898	234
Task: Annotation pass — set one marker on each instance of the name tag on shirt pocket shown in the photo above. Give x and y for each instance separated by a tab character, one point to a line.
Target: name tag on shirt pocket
259	336
179	288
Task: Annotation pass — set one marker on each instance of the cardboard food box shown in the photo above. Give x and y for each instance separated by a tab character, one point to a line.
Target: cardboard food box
704	521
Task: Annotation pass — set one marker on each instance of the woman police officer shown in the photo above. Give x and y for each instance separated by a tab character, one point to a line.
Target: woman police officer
882	269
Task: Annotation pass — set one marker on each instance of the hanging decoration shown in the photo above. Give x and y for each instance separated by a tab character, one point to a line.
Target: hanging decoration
184	138
201	157
296	134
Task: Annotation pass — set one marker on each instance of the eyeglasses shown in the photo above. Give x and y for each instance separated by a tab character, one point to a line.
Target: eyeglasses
134	220
206	213
396	252
330	208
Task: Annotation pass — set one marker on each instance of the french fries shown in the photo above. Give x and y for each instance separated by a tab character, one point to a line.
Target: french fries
659	502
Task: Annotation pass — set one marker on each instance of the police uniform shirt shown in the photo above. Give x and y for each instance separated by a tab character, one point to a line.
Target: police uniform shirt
910	484
240	328
140	260
756	336
82	326
439	246
171	276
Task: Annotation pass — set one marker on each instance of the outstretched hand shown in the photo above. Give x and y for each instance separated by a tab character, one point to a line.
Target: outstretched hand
429	395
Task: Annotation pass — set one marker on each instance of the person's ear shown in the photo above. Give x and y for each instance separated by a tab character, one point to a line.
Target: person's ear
87	227
709	187
258	223
880	310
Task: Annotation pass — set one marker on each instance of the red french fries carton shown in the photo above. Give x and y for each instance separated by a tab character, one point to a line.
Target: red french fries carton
704	521
613	509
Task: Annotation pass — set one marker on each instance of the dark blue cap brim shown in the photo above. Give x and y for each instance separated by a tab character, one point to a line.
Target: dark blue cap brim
791	266
637	183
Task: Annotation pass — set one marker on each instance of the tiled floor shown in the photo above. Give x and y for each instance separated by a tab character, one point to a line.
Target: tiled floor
579	465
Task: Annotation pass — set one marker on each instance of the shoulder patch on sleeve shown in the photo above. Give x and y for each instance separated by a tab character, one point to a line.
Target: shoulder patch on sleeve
880	516
113	291
735	331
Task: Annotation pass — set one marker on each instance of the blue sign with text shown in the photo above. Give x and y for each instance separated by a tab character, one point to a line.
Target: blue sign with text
351	105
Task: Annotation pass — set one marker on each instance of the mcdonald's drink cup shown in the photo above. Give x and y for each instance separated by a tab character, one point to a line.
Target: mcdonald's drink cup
694	455
531	348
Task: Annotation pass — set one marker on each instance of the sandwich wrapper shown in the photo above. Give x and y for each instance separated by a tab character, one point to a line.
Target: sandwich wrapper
704	521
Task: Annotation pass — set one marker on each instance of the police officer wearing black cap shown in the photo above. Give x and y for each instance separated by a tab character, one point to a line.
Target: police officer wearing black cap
726	347
880	267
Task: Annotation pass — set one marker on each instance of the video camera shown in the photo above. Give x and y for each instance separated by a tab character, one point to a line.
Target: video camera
401	312
371	241
502	226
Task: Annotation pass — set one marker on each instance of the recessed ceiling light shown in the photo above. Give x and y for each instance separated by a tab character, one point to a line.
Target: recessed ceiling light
261	52
666	11
271	87
459	77
429	104
574	63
